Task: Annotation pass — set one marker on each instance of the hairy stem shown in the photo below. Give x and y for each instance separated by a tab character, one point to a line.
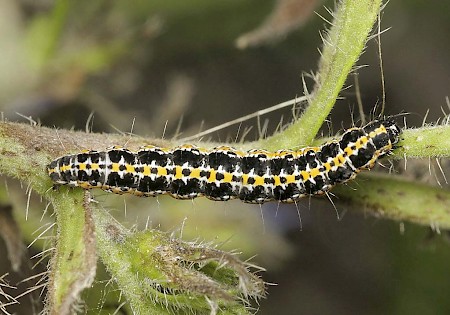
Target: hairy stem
342	46
74	261
395	198
158	274
26	150
425	142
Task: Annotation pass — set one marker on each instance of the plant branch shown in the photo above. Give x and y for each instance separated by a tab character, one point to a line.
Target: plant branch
425	142
26	150
391	197
160	275
150	266
342	46
74	262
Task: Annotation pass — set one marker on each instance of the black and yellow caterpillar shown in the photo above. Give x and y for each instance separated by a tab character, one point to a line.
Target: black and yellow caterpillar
223	173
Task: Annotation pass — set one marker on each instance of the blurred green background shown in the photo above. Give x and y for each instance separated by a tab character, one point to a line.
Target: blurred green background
174	67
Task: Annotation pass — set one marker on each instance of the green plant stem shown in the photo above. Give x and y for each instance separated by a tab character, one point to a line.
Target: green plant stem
157	274
343	44
26	150
20	158
425	142
397	199
110	236
74	261
25	156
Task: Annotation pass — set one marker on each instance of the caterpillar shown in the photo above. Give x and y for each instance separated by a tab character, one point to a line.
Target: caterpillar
224	173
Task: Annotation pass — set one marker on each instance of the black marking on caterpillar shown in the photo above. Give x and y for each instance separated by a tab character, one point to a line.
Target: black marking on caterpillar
223	173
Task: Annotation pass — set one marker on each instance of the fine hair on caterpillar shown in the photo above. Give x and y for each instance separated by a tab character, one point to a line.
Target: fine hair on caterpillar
224	173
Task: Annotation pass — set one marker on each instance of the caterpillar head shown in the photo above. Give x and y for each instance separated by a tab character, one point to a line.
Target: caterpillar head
393	131
385	135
